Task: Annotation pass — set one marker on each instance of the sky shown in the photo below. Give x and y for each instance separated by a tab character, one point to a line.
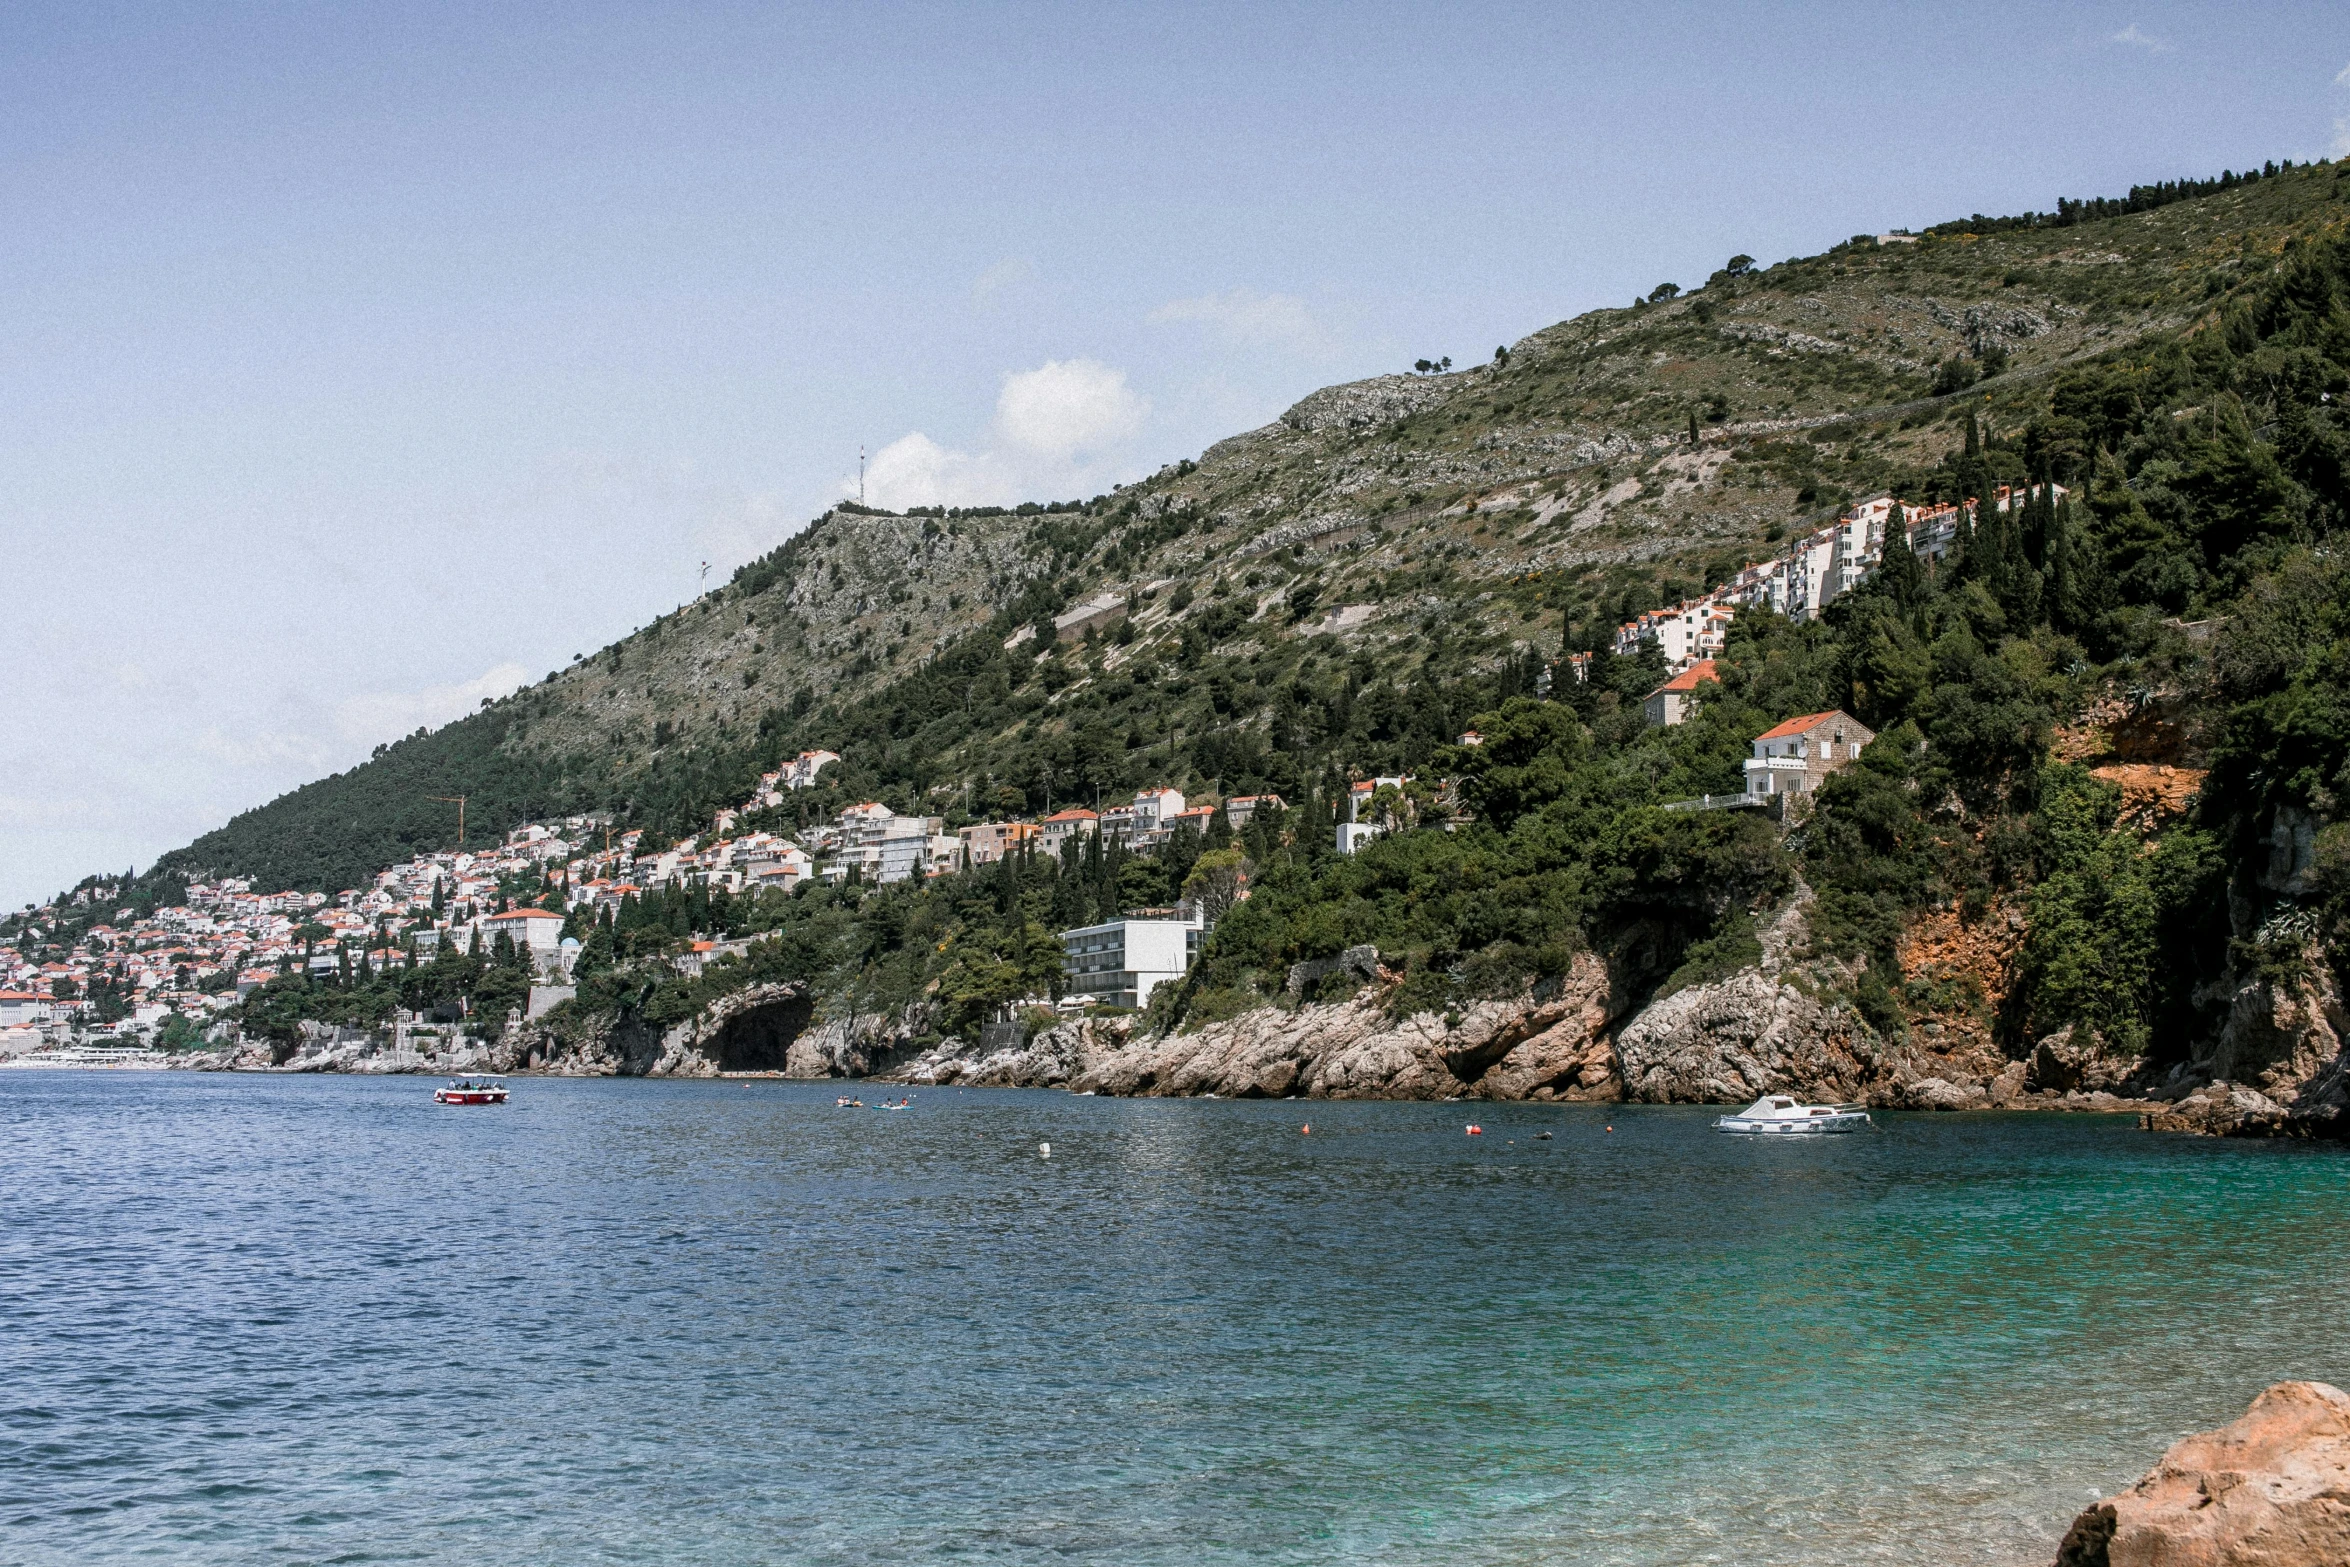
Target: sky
363	362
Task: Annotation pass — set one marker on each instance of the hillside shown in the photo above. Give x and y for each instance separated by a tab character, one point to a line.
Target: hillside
2110	742
1396	537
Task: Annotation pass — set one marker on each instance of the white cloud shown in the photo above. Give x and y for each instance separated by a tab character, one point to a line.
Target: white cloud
1007	273
2342	77
378	716
1251	320
1067	406
915	470
2139	40
2341	147
1061	429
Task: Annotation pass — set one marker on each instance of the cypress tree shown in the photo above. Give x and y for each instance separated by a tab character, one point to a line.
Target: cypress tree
2063	596
1905	578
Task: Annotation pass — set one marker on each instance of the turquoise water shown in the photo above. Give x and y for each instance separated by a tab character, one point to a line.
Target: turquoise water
296	1320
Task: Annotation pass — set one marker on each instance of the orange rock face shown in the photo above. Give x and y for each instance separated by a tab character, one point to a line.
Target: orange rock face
2271	1490
2151	793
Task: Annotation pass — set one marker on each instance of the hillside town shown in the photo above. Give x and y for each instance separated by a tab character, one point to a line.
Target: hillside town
171	974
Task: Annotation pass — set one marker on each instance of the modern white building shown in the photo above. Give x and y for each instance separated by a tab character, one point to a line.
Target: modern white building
1120	963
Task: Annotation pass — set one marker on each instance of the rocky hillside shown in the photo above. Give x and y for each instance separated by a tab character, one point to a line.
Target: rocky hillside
1410	527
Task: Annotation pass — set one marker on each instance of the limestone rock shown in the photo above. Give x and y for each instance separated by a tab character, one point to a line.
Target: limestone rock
1756	1032
1052	1059
2271	1490
2066	1062
1548	1043
1932	1093
2287	1041
2220	1110
1740	1038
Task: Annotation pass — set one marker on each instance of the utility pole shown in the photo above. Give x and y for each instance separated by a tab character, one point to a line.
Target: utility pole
702	584
458	801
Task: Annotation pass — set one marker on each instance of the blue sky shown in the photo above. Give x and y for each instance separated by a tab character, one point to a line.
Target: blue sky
363	361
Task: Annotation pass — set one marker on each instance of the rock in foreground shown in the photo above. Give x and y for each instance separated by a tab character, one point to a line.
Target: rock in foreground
2271	1490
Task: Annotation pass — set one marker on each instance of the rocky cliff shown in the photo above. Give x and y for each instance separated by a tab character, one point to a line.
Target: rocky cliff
2277	1067
1781	1026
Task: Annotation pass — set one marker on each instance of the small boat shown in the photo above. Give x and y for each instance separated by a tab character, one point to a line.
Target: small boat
471	1091
1777	1115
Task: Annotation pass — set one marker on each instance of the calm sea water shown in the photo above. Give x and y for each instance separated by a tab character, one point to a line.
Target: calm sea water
293	1320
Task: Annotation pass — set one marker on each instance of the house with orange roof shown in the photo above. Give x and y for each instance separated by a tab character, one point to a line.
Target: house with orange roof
538	932
1797	756
1670	703
1241	807
1058	828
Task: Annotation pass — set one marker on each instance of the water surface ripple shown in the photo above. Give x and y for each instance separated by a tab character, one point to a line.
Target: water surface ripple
296	1320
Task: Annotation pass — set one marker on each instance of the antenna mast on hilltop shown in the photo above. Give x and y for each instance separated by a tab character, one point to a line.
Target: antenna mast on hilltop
458	801
860	475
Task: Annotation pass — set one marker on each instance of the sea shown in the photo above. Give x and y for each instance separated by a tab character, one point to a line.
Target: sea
263	1319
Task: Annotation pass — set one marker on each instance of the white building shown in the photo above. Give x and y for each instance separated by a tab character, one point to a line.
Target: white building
1120	963
909	847
801	771
1058	828
1358	828
23	1009
538	932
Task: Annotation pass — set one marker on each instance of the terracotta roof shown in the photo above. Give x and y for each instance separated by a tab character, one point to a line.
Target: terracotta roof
1691	678
1803	725
1075	813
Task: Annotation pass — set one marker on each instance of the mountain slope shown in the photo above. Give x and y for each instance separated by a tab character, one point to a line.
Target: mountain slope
1341	587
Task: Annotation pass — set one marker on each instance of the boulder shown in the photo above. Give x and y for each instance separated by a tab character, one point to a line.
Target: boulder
1932	1093
2220	1110
2271	1490
2066	1062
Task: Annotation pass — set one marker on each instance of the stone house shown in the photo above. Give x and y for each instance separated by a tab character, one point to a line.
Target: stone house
1794	757
1670	703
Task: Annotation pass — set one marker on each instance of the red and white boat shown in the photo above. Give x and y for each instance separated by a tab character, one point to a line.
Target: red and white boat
471	1091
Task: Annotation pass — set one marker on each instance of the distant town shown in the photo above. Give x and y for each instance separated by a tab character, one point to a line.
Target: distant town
175	971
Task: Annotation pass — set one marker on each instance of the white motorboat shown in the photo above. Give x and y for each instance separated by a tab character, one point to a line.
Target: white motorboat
1779	1116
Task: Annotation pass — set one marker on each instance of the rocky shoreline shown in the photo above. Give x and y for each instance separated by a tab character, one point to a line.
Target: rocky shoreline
1782	1025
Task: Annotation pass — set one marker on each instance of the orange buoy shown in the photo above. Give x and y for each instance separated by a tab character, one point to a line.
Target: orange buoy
1306	1130
1476	1131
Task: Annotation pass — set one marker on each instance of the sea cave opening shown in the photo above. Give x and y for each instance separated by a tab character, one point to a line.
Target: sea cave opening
757	1039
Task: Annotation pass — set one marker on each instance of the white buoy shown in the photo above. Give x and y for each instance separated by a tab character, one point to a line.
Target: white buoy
1045	1149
